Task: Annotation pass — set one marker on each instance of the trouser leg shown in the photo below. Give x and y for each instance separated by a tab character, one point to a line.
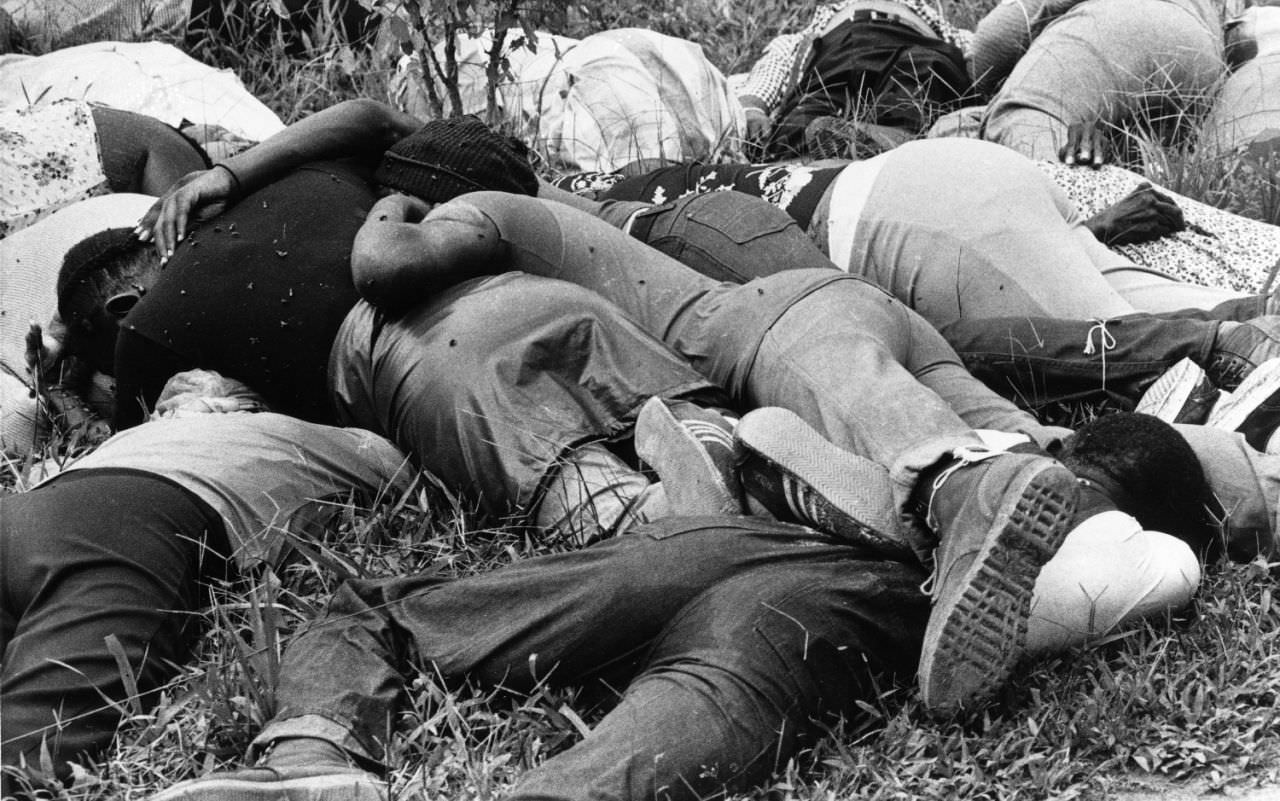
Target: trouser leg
1038	361
90	557
741	677
566	617
875	379
1246	483
1114	62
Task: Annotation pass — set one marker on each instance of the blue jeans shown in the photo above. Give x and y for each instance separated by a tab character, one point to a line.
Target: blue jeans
739	638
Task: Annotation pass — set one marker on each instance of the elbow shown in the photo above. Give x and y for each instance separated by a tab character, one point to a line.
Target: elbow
381	283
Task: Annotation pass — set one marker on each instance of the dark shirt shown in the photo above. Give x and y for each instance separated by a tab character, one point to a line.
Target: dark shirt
794	188
258	294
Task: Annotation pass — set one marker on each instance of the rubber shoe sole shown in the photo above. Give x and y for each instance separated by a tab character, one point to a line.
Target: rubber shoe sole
266	784
977	634
797	474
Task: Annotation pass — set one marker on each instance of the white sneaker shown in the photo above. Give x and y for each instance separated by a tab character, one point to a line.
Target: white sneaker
1183	394
1254	408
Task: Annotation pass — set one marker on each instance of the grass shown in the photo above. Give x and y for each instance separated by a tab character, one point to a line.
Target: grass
1191	701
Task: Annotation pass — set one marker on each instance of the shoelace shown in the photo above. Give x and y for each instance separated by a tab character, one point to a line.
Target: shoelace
1105	339
965	456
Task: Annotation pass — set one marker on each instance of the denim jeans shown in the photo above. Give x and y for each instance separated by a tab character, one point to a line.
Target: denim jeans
97	553
850	360
726	236
1034	360
739	636
1039	361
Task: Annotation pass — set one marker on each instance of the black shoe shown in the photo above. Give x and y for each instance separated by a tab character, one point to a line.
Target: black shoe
1241	347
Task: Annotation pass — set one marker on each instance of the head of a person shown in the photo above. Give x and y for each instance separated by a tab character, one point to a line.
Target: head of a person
101	280
450	157
1149	471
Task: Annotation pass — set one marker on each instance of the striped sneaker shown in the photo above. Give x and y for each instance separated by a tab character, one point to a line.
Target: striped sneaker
1254	408
999	517
1182	394
691	449
321	783
798	476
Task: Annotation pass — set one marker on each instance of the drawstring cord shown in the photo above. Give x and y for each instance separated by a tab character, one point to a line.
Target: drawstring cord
1105	340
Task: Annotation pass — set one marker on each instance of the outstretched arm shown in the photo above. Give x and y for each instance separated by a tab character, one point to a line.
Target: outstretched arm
405	252
353	128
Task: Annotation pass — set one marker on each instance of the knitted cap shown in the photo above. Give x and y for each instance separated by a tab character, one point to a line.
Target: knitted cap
87	256
450	157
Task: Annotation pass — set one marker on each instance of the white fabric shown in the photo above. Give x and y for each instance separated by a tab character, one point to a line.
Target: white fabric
849	193
519	96
612	98
1107	573
48	159
19	417
49	24
264	469
147	77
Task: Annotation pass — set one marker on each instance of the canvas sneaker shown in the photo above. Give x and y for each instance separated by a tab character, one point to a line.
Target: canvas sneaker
799	476
691	449
1182	394
1254	408
1241	347
999	517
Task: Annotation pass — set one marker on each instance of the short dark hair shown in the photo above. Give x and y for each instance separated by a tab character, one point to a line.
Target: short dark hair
1160	473
95	269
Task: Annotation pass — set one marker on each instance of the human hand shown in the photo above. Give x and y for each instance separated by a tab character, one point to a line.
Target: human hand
1086	146
1140	216
196	196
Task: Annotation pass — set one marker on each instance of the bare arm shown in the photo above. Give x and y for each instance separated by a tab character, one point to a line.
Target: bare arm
405	252
353	128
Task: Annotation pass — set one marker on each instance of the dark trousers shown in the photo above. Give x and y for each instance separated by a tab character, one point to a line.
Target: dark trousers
741	637
94	555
